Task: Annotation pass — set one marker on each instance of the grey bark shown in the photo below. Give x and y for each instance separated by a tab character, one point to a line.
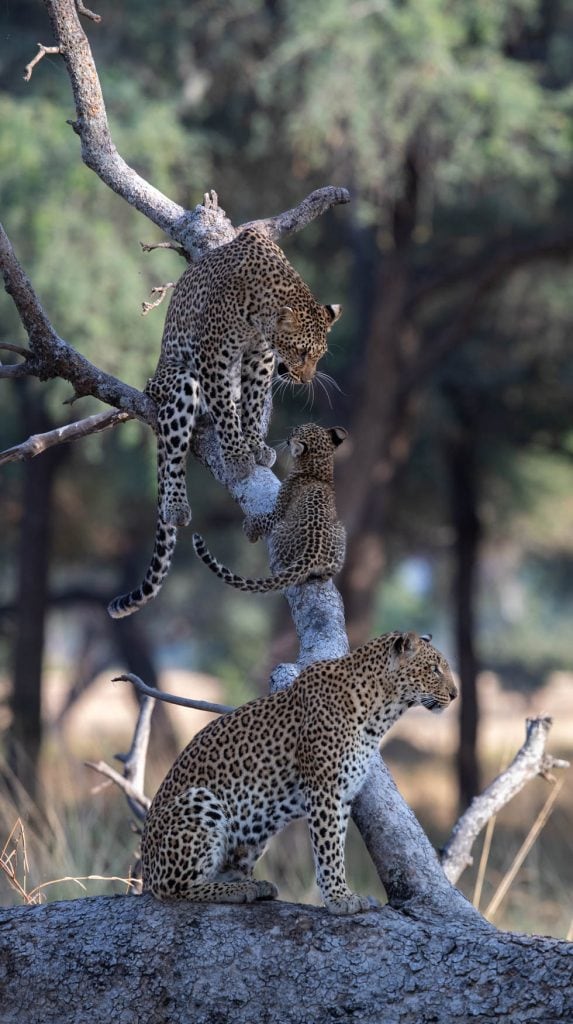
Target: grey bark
133	960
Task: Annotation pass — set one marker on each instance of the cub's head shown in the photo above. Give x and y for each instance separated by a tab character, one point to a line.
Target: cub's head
419	672
310	442
300	339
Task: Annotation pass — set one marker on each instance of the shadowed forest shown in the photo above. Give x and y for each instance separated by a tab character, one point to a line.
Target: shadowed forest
452	370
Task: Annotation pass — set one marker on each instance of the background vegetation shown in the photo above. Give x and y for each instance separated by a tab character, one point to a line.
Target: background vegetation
451	124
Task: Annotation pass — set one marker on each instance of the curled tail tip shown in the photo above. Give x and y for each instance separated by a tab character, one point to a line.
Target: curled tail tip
117	610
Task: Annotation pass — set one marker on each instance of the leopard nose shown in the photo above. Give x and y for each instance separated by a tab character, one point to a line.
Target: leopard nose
453	691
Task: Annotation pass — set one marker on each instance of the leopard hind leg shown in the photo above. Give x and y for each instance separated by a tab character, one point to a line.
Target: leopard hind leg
177	394
185	854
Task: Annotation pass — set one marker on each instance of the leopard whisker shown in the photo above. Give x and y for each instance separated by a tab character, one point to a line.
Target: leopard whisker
325	389
325	377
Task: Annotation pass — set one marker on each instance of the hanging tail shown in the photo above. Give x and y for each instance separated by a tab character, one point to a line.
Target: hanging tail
298	572
165	540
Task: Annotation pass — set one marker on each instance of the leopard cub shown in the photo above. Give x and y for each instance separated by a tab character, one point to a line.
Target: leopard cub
303	752
306	539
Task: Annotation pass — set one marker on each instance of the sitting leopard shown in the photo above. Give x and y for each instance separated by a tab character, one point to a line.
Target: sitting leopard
301	752
242	304
306	539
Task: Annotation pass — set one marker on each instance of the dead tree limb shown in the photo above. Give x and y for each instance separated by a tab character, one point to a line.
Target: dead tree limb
172	698
38	443
531	760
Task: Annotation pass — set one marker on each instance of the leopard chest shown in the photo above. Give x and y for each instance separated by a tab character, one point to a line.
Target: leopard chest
258	814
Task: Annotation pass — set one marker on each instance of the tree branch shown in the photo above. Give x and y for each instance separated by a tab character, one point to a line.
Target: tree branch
171	698
313	206
530	760
42	51
38	443
52	357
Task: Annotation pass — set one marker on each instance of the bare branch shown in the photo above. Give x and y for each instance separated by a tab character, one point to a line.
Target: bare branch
313	206
150	246
134	761
18	349
82	9
161	291
133	779
42	51
51	357
136	799
38	443
530	760
171	698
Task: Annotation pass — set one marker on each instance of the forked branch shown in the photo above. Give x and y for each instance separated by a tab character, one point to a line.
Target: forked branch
530	760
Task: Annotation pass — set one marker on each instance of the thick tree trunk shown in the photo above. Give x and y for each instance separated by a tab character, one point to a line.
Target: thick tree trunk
138	961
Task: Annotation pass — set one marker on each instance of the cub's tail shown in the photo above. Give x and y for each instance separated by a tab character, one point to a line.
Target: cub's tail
298	572
127	604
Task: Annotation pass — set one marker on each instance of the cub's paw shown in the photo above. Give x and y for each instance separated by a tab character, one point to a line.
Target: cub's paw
348	904
266	890
175	513
264	456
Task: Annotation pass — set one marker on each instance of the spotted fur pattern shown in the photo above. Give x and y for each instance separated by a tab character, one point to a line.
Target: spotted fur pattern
301	752
306	539
242	305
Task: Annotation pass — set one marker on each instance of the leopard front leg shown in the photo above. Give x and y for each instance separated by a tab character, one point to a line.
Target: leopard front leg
176	392
218	399
327	822
256	378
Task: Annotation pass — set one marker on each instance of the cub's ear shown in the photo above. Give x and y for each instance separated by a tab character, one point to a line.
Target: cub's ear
338	434
287	319
333	313
426	637
296	447
405	643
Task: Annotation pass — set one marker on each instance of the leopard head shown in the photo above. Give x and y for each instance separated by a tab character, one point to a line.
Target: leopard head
300	338
420	673
310	442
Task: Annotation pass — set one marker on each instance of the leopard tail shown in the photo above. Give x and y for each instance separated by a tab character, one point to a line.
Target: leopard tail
296	573
165	540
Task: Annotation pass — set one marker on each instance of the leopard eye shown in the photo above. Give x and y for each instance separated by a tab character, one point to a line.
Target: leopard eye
437	670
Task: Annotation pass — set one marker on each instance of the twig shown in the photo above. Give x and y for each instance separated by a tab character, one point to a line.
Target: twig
38	443
19	349
483	861
530	760
524	849
133	795
42	51
160	290
171	698
150	246
82	9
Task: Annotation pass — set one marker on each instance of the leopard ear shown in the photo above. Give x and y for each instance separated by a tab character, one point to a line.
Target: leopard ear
338	434
405	643
333	313
426	637
287	319
296	447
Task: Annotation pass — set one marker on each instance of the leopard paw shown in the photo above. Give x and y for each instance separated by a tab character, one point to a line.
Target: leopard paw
264	456
266	890
351	903
175	513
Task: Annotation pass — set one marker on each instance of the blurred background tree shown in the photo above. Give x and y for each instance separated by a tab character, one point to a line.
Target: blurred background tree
452	126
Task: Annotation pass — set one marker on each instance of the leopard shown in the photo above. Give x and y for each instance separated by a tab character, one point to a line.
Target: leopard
299	752
307	541
239	309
